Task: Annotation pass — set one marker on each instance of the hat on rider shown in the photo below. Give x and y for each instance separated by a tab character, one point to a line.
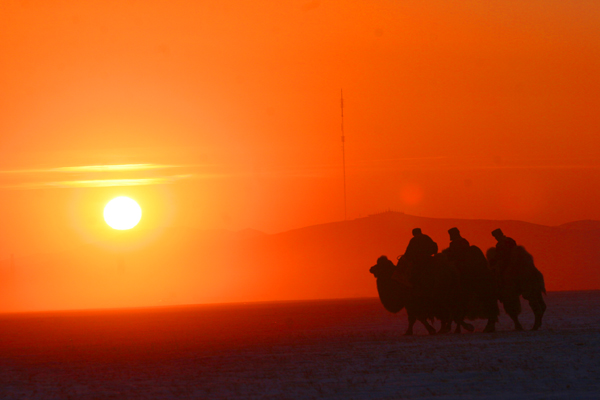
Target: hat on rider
454	233
497	233
416	231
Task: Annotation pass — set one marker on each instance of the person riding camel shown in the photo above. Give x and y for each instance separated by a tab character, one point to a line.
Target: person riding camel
419	251
421	247
459	246
504	248
460	255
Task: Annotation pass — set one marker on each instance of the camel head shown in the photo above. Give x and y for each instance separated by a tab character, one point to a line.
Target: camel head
383	269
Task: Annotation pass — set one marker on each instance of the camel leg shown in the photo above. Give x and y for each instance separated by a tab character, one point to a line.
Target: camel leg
457	329
459	319
538	305
443	328
427	326
490	326
411	322
446	326
467	326
492	311
512	306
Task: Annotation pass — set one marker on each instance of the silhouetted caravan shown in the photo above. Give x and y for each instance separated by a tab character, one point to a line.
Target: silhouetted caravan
519	277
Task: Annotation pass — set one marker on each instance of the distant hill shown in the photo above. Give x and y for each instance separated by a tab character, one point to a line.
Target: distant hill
585	225
183	265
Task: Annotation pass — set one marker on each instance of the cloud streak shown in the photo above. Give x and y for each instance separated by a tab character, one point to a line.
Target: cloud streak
96	176
98	183
315	171
92	183
93	168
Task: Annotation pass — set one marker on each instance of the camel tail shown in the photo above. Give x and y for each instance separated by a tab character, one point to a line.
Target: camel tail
543	283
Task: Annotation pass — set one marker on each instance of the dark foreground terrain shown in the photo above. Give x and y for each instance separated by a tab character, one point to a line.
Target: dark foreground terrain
344	349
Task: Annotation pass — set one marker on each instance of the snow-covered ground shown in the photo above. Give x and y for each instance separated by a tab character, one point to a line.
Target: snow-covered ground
343	349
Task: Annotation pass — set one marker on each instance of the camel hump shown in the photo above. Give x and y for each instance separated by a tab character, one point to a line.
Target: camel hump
474	262
490	254
476	254
521	254
476	250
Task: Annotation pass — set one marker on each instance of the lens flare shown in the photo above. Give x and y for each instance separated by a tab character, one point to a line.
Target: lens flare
122	213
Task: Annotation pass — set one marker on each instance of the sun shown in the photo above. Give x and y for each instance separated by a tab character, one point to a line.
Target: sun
122	213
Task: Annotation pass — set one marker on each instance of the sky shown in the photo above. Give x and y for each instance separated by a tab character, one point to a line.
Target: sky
226	114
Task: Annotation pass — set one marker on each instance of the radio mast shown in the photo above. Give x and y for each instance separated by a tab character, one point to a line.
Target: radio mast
343	153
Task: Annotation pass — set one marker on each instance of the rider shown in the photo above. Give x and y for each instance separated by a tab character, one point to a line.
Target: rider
419	251
420	247
459	246
503	248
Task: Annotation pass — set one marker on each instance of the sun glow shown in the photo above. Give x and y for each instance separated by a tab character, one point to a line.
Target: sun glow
122	213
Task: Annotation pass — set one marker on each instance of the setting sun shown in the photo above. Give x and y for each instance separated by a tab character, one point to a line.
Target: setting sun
122	213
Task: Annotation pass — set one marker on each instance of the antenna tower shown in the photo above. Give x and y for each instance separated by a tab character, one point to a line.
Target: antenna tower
343	153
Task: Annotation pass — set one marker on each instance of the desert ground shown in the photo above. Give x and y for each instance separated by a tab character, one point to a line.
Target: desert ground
335	349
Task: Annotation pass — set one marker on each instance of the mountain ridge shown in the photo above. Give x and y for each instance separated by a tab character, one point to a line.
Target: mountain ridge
331	260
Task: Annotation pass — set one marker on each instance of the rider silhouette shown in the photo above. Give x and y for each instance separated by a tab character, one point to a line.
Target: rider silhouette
420	247
503	248
419	251
459	246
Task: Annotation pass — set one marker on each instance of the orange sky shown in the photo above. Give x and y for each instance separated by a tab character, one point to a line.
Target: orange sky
462	109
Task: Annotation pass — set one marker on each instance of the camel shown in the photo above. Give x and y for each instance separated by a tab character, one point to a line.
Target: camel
397	292
518	278
477	297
